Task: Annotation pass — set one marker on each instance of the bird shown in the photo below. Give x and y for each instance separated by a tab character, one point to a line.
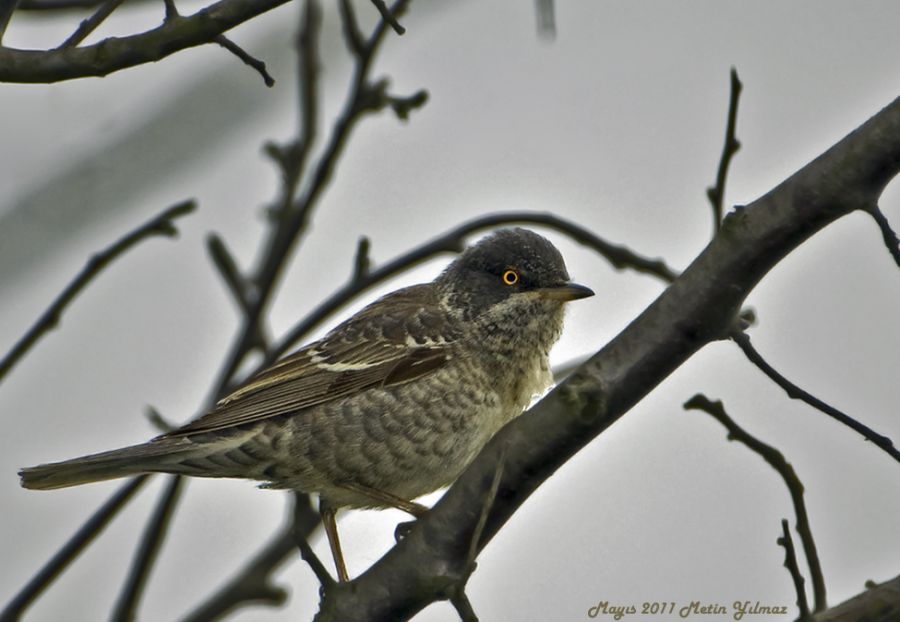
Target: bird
390	405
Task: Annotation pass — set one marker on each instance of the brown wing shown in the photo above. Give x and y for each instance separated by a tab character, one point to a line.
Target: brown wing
400	337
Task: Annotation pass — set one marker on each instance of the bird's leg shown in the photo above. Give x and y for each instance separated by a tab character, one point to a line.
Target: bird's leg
410	507
327	512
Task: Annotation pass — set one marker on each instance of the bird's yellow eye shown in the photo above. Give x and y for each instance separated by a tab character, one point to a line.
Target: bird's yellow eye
510	277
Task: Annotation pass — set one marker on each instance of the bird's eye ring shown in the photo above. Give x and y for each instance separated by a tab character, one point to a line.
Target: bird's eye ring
510	277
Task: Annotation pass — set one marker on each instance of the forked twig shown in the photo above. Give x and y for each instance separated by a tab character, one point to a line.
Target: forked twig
790	562
776	460
89	25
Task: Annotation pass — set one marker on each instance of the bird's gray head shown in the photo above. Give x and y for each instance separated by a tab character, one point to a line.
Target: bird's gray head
508	263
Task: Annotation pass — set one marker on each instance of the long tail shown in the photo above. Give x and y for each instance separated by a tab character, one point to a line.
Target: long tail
162	455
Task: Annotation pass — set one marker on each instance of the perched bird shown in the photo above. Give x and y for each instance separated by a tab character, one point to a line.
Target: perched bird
390	405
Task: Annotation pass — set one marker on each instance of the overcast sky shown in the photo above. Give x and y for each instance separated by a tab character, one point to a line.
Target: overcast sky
616	124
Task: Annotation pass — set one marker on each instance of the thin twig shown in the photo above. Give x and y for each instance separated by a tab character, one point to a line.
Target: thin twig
86	27
352	35
795	392
457	594
171	10
361	261
716	193
453	241
224	261
790	562
402	106
292	158
486	505
315	564
388	17
82	538
777	461
7	8
155	418
247	59
160	225
463	607
253	584
125	609
890	237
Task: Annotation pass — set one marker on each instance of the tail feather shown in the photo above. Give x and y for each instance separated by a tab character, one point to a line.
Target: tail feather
156	456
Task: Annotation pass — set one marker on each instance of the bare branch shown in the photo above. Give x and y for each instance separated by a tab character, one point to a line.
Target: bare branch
326	581
790	562
148	549
716	193
890	237
228	270
114	54
255	63
292	158
163	224
90	24
776	460
82	538
795	392
352	35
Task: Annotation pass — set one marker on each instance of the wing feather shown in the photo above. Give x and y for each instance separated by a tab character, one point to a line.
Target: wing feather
385	344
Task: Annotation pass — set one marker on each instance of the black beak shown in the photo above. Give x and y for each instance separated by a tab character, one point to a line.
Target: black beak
565	292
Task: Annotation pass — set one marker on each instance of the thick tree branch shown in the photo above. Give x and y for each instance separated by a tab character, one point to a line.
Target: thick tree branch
699	307
115	53
161	224
878	603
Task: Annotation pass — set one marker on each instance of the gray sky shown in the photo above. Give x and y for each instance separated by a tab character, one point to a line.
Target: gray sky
618	125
